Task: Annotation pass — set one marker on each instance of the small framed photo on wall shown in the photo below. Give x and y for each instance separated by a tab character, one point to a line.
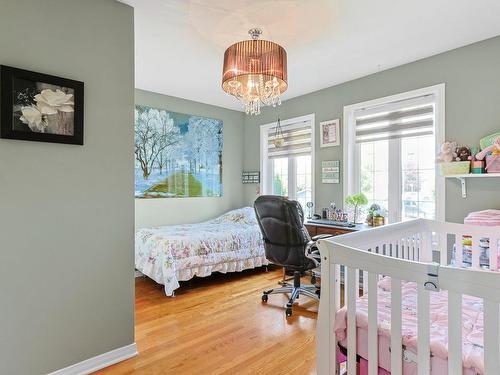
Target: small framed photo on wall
329	133
40	107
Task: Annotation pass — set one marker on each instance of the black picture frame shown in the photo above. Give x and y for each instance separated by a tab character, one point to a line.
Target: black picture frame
7	131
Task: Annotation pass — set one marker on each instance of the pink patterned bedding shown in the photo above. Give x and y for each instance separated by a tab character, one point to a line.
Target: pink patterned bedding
472	320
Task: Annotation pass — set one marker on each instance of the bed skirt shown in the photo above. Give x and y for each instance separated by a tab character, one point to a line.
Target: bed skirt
171	281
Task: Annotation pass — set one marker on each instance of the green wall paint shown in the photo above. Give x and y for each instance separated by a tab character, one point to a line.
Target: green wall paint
167	211
66	212
472	78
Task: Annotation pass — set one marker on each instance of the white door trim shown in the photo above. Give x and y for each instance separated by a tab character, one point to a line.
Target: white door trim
100	361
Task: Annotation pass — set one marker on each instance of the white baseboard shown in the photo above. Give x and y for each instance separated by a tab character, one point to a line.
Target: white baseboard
98	362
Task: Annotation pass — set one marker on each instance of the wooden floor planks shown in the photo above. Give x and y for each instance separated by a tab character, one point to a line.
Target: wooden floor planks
218	325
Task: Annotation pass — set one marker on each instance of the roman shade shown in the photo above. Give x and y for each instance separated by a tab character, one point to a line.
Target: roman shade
296	140
401	119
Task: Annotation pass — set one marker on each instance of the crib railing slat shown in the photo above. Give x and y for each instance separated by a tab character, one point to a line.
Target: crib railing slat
493	254
423	340
372	324
491	334
350	286
396	349
476	252
454	333
459	249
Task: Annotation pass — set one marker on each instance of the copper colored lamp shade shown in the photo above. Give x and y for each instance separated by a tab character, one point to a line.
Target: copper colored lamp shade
255	72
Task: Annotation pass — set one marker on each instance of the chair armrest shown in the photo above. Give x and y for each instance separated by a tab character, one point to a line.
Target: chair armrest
321	236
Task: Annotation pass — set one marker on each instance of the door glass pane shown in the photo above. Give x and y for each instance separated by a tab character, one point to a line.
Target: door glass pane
303	179
374	177
280	176
418	183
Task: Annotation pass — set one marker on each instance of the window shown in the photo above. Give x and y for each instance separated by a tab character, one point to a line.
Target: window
389	151
288	170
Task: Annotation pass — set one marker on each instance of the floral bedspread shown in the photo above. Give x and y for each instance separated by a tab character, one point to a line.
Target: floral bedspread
229	243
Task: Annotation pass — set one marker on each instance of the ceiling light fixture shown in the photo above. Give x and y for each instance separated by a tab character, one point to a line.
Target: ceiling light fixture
255	72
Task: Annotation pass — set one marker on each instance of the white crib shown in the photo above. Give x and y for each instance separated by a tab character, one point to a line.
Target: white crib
405	251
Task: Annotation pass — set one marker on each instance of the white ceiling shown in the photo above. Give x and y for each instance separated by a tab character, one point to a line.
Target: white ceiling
179	44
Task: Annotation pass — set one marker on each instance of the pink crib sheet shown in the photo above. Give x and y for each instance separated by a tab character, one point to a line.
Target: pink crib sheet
472	329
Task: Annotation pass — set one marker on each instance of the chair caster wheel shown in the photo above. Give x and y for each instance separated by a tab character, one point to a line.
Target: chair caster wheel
264	298
288	312
313	280
318	292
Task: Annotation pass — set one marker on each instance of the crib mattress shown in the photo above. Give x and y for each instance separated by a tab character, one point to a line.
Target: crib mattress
472	330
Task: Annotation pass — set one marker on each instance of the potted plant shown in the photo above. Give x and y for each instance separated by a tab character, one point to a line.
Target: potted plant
356	201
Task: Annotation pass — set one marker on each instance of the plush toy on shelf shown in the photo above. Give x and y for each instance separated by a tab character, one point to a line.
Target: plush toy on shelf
448	152
491	153
463	153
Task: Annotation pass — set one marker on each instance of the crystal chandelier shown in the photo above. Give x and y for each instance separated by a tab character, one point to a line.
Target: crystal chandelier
255	72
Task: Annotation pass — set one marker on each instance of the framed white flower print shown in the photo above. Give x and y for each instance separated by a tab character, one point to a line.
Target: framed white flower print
40	107
329	134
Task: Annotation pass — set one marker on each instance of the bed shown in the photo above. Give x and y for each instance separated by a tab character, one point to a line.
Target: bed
404	313
230	243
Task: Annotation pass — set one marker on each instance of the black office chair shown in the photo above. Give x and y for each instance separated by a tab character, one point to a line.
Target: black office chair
288	244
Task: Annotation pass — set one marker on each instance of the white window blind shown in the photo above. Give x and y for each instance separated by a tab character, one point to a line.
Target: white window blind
400	119
297	140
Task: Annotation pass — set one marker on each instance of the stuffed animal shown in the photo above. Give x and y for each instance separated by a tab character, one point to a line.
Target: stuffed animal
494	149
463	153
448	152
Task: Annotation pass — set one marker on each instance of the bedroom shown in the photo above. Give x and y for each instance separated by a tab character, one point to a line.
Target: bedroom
76	204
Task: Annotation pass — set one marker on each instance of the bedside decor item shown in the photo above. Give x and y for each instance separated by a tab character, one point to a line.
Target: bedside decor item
255	72
330	172
177	155
329	133
356	201
40	107
250	177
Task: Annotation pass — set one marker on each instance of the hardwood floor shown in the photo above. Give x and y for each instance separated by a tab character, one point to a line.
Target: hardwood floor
218	325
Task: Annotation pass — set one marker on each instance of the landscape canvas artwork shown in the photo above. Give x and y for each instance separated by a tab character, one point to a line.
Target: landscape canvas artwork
177	155
41	107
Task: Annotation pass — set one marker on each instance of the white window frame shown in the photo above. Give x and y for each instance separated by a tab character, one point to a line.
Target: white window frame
266	163
350	156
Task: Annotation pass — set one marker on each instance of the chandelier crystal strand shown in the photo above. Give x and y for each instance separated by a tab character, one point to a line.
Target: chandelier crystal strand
255	72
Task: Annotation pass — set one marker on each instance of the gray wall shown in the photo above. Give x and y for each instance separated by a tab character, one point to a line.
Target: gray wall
66	212
472	77
155	212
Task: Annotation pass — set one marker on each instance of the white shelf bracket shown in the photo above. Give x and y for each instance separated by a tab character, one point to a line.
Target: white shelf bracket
464	186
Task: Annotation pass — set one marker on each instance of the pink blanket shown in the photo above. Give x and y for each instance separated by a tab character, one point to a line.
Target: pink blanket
472	320
483	218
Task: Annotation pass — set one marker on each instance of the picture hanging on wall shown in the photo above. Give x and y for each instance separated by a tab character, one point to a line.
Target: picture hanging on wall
329	133
40	107
177	155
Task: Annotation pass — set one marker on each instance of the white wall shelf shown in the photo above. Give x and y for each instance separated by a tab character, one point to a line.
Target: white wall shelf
463	177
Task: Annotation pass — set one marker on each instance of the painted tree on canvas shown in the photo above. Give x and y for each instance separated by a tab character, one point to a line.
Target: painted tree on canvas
154	132
177	155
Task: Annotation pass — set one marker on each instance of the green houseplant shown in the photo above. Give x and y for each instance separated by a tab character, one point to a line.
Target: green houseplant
356	201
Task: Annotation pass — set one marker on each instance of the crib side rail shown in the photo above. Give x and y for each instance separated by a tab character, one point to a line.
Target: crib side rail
483	284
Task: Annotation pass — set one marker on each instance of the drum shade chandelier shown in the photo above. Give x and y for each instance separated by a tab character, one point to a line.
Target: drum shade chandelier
255	72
